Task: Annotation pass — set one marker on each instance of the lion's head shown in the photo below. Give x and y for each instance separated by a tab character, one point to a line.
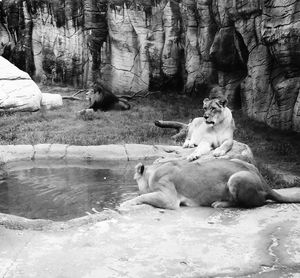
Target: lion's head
94	94
140	178
214	110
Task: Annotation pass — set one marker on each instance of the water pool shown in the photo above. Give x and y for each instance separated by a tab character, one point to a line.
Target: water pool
60	191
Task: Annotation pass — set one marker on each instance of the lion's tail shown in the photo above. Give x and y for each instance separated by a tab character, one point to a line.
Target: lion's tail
286	195
170	124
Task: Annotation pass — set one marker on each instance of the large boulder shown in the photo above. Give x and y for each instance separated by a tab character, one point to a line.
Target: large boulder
238	151
51	101
17	90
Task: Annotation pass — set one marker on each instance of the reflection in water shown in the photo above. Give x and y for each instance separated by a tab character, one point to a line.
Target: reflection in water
63	193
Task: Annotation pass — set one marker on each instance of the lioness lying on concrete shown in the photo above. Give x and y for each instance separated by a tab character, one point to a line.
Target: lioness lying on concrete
216	183
212	131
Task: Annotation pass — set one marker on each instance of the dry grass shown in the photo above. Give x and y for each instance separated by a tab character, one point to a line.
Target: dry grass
112	127
277	148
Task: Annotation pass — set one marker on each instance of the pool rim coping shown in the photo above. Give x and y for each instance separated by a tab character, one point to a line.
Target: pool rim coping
121	152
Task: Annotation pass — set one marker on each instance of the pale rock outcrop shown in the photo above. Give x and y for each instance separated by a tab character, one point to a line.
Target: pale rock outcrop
51	101
17	90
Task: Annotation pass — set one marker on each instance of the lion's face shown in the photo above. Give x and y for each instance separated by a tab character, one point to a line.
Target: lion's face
140	178
93	95
213	110
89	95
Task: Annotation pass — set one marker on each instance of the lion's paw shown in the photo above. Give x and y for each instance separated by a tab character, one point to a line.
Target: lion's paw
189	144
185	145
217	204
192	157
218	152
221	204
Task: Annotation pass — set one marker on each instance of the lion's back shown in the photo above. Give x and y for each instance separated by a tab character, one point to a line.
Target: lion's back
202	182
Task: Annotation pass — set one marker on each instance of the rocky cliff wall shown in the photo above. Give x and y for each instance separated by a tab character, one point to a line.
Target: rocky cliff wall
251	48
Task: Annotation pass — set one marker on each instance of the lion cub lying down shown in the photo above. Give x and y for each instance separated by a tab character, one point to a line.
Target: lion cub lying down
212	131
216	183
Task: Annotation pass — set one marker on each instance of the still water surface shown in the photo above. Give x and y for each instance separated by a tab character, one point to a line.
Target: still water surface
66	191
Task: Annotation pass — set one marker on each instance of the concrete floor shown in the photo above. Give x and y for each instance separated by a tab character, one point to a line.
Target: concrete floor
149	242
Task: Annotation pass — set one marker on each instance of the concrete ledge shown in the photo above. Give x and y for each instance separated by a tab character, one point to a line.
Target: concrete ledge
10	153
104	152
139	151
21	223
49	151
129	152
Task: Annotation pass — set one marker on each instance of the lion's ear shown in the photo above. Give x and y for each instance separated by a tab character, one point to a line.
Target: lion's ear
223	101
140	168
205	100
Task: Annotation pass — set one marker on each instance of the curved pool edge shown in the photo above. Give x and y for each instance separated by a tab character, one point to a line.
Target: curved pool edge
126	152
14	222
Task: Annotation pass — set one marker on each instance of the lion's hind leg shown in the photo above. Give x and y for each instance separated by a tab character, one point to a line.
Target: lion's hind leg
246	189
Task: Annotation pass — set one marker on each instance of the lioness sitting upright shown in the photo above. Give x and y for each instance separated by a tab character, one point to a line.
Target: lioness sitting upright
216	183
212	131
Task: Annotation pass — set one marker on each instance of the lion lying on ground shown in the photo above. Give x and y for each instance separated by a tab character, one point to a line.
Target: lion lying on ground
216	183
212	131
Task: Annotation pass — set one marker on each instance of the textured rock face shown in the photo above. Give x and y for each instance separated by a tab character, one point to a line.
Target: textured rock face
271	88
54	41
250	48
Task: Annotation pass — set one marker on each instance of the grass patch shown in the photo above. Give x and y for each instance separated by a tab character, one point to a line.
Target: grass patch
270	147
112	127
280	149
